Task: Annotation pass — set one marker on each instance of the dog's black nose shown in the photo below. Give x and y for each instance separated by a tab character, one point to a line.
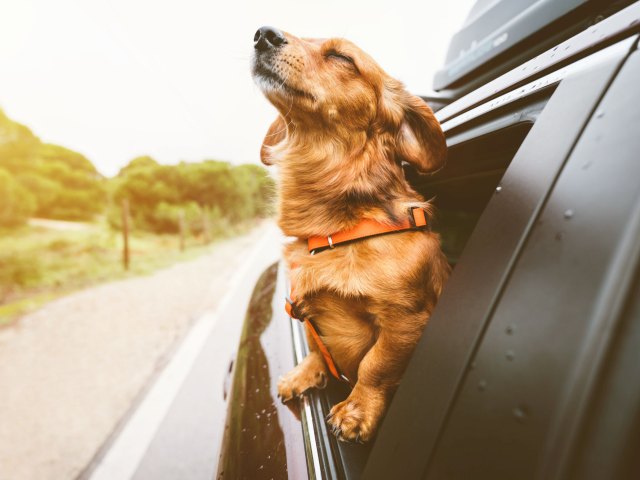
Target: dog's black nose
268	37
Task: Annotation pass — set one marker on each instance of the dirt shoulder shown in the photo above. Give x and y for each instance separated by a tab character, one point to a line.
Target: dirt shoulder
71	370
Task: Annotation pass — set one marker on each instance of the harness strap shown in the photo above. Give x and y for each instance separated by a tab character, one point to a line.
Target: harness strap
316	337
368	228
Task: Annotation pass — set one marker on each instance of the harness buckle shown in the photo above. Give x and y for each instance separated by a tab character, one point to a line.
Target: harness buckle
330	240
412	219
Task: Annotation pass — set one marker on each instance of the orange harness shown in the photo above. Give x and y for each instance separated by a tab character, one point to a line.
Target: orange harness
366	228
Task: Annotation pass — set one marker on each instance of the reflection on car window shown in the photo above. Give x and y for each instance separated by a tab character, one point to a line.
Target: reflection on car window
462	189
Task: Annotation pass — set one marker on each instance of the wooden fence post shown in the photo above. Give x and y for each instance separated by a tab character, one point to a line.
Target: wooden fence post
125	233
181	224
206	227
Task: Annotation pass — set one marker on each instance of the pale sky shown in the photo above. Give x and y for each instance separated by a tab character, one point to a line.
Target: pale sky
114	79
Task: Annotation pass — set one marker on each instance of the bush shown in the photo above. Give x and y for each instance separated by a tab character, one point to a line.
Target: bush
166	217
16	203
18	271
214	190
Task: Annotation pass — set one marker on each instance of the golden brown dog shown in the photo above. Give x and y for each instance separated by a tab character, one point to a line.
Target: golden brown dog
344	128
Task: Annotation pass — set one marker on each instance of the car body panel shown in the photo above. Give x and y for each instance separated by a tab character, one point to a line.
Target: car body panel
499	35
262	438
517	407
612	224
416	417
609	30
608	440
500	26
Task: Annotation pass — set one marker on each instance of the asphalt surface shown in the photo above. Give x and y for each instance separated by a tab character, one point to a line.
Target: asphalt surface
74	372
176	429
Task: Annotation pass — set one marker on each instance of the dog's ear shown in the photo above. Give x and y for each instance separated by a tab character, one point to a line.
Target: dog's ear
420	140
277	133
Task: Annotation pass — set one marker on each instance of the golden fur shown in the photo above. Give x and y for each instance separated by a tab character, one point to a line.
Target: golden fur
344	128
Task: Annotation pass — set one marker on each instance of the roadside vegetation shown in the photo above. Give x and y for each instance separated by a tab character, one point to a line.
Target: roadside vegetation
174	213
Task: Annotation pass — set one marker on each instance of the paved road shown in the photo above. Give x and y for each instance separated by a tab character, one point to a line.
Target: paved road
70	372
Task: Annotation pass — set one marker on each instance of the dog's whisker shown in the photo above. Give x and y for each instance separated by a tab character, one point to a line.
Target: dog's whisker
287	124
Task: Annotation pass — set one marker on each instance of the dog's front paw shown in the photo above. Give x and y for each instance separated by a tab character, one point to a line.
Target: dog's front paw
310	373
355	419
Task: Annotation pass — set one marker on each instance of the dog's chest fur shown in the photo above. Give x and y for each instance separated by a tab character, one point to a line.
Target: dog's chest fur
354	290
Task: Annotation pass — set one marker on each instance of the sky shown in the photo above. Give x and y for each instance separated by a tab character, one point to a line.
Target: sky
115	79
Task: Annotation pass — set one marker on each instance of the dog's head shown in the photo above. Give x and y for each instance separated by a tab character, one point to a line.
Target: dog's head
334	86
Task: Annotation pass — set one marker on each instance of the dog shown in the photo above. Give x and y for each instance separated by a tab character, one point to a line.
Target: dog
343	131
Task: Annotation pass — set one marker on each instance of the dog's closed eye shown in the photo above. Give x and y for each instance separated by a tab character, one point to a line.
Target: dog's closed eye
340	57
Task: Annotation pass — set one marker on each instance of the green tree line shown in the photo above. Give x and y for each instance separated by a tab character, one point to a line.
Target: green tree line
50	181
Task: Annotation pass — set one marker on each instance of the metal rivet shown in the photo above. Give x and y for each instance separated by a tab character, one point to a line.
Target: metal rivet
498	189
568	213
520	413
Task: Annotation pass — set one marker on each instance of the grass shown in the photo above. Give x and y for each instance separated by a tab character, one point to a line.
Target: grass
40	264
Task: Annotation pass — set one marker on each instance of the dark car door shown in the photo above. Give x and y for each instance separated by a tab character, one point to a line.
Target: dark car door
529	338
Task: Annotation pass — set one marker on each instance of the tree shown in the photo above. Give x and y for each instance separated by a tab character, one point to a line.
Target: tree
64	184
136	164
225	194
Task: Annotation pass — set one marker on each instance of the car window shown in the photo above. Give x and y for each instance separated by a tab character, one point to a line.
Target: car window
478	158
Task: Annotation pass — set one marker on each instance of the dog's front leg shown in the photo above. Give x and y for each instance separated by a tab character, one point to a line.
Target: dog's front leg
357	418
309	373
